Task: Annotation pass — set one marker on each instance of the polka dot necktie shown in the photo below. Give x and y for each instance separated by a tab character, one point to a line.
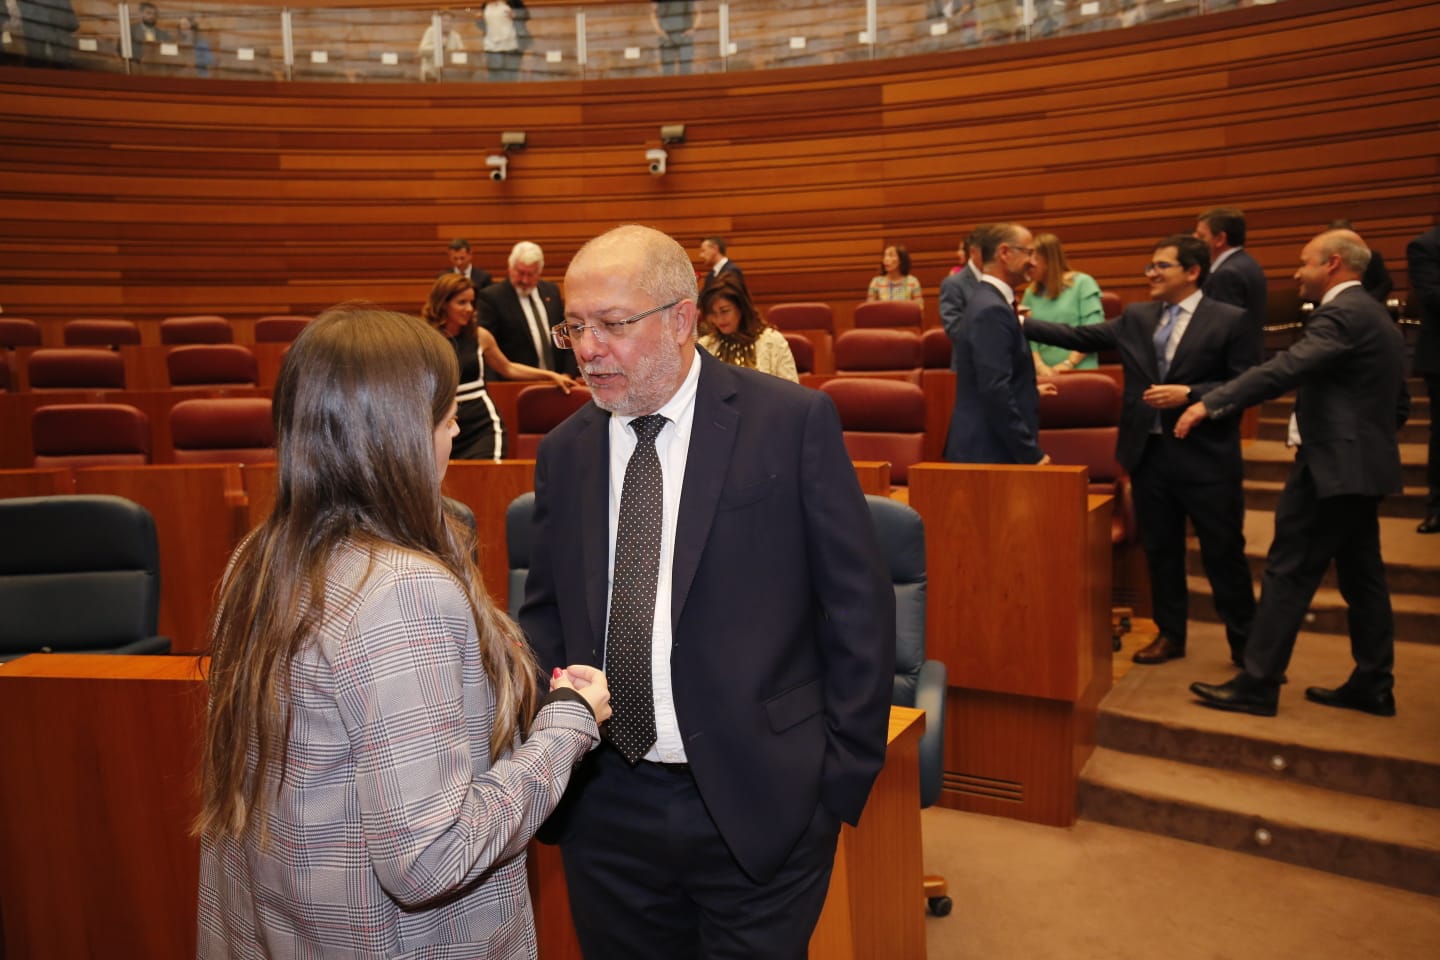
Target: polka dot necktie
632	596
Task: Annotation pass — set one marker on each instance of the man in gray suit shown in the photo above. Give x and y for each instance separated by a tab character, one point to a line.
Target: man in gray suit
955	290
1350	370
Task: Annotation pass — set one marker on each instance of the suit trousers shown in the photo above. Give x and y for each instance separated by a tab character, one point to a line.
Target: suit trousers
1432	469
1310	531
1165	496
650	877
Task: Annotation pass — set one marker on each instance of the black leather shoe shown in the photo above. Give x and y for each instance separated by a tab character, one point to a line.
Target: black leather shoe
1243	694
1238	659
1159	650
1380	704
1431	523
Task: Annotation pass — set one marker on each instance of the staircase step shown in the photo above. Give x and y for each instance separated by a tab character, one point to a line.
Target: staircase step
1264	494
1272	460
1277	428
1417	617
1151	711
1281	407
1412	559
1375	840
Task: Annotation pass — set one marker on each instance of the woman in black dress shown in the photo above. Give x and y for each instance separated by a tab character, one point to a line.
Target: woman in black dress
451	310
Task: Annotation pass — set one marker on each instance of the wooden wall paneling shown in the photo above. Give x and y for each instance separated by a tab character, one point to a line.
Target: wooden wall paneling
98	787
46	482
200	515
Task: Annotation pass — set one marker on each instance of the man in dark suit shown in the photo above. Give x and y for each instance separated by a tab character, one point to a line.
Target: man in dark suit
521	309
1423	255
750	652
462	263
1349	367
997	404
956	289
1235	277
712	256
1175	350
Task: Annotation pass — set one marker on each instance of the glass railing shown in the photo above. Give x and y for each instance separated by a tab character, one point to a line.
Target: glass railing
498	41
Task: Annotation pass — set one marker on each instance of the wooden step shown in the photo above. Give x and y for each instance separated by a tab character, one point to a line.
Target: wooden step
1417	618
1412	504
1272	460
1277	428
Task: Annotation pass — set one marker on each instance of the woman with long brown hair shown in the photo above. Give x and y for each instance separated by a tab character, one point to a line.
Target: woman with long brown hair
451	310
1060	295
377	753
732	329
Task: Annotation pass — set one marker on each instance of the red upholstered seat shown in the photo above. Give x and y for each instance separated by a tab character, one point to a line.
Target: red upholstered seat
1111	304
801	316
205	328
17	332
205	364
540	409
76	368
223	430
935	349
803	351
879	350
1079	426
882	420
90	435
888	313
101	333
280	328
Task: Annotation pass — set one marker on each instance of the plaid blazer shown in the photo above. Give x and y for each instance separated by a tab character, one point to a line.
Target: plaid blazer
392	834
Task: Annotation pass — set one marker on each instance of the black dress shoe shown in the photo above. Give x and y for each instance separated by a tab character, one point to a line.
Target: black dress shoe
1238	659
1380	704
1243	694
1431	523
1162	648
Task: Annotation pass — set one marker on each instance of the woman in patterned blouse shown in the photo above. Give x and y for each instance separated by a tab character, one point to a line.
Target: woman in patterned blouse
731	329
895	281
377	751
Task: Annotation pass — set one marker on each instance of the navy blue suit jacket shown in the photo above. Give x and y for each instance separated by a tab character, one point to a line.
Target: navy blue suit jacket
997	405
783	613
1240	281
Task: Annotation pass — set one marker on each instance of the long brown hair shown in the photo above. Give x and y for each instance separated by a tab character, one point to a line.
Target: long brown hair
359	397
447	288
1057	269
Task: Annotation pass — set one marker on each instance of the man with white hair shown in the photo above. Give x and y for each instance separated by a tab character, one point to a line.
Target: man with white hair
1349	372
520	310
699	529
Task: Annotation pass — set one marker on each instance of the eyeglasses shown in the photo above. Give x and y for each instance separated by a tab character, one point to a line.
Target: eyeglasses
1025	250
566	335
1158	266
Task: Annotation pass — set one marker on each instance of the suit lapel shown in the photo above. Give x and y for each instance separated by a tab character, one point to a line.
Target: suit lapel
1194	333
593	455
712	438
1148	327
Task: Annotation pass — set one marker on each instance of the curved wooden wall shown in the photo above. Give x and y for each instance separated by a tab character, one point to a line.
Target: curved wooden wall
145	196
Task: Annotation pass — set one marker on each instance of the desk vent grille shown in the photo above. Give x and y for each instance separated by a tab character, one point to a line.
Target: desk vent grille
976	786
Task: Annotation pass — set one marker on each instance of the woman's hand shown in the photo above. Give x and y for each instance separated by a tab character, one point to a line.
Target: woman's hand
563	381
590	683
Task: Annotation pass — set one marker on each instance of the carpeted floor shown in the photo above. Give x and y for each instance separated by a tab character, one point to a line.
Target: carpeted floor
1095	892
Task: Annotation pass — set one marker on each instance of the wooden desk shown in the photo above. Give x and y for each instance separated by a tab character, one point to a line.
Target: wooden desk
1018	609
97	792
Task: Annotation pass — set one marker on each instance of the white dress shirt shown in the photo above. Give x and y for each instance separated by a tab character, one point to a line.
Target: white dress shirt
672	446
535	317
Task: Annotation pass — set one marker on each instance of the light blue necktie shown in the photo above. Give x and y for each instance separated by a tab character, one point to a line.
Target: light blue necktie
1162	339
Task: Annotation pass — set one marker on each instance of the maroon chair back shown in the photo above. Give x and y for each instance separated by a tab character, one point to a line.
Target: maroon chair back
888	313
877	349
223	430
76	368
540	409
17	332
280	328
801	316
90	435
803	351
206	328
1111	304
101	333
208	364
882	420
935	349
1079	426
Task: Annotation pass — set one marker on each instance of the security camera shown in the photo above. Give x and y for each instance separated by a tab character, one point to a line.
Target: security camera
657	158
498	164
